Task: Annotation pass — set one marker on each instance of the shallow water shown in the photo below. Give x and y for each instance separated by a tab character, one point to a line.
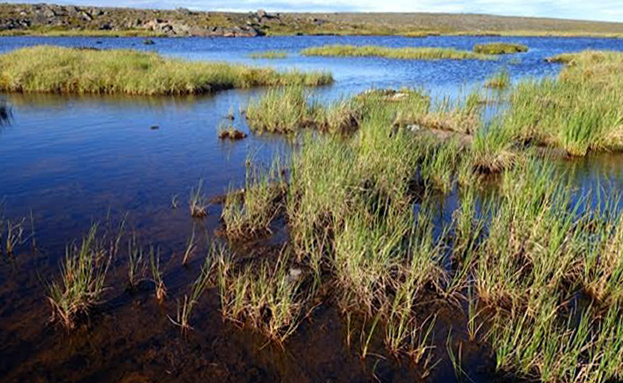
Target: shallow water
73	160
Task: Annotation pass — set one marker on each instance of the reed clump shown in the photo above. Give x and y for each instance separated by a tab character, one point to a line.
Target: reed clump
197	202
12	235
249	213
500	48
284	110
492	150
68	70
82	281
394	53
265	296
500	80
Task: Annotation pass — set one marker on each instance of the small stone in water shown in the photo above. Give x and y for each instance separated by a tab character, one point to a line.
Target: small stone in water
295	274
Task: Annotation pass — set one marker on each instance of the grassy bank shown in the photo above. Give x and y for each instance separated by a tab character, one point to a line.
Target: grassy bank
579	111
68	70
394	53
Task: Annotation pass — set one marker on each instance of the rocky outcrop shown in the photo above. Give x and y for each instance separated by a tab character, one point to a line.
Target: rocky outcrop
179	22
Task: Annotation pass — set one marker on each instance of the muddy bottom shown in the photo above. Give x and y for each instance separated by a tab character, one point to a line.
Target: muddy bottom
129	337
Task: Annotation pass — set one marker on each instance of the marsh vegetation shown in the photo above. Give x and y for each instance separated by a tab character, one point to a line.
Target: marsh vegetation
69	70
395	53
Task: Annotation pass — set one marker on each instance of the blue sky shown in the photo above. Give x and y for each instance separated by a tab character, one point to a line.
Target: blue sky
606	10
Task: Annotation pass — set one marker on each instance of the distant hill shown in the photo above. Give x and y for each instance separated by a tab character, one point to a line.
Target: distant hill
48	19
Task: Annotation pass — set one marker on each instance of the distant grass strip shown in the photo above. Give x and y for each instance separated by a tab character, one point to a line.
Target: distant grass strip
70	70
394	53
271	55
500	48
55	32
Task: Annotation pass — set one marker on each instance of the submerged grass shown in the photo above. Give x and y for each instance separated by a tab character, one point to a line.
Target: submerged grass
70	70
136	263
394	53
160	288
186	307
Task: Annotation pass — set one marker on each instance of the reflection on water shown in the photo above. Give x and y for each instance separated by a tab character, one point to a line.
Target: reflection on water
72	160
5	113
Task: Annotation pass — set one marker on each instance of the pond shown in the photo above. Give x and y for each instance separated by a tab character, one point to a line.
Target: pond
69	161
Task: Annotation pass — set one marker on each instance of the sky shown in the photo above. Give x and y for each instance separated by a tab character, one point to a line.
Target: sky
603	10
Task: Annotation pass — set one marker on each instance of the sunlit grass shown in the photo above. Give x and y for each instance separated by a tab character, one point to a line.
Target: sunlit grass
394	53
70	70
580	111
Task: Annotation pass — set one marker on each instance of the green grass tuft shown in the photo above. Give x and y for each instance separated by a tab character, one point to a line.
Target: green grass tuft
500	48
500	80
82	280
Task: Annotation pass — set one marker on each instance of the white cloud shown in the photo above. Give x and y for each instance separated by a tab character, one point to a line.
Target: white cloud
606	10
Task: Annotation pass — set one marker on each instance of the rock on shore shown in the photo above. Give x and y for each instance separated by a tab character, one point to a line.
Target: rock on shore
179	22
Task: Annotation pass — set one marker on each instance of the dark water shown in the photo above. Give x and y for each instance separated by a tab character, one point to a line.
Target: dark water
72	160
